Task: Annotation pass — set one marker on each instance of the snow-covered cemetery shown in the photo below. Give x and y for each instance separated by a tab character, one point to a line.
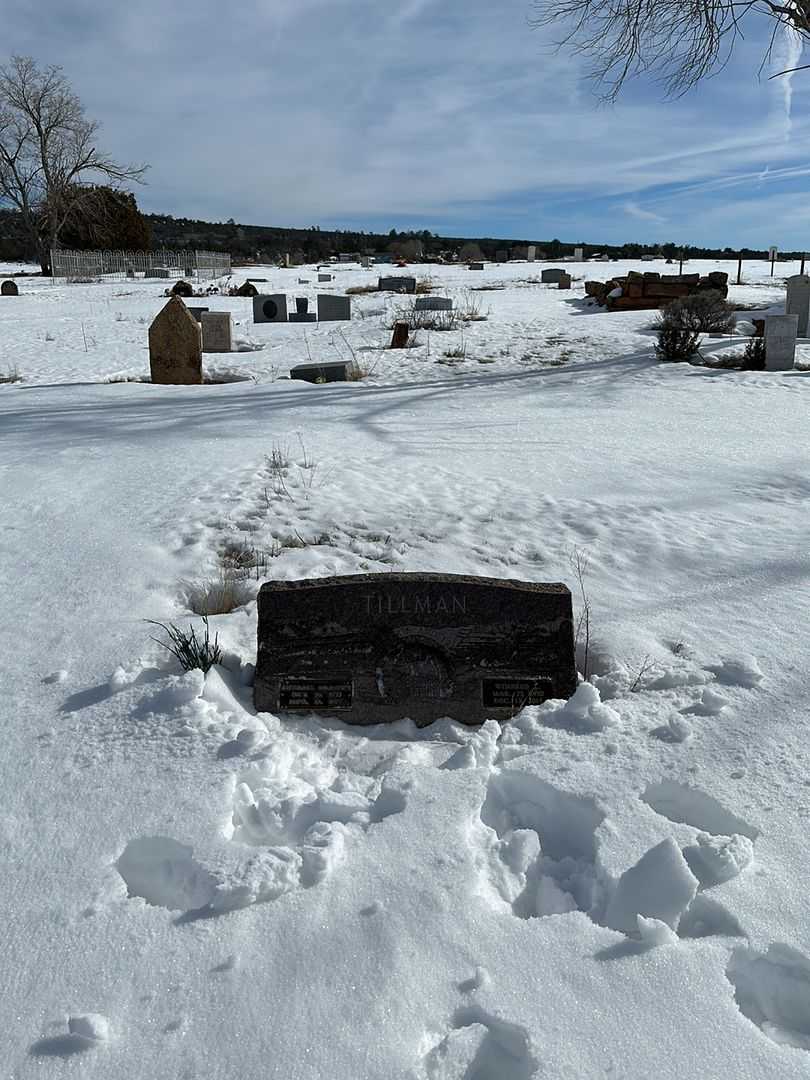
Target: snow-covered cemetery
404	652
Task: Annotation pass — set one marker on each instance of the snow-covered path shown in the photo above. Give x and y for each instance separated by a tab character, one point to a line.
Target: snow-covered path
412	925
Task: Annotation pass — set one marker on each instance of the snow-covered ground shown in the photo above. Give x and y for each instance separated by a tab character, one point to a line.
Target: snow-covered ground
318	901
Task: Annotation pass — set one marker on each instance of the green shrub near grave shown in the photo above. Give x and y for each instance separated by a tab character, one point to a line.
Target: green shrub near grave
754	355
676	345
706	312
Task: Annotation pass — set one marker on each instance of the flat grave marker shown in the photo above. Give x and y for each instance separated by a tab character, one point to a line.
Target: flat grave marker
433	303
332	371
334	308
397	284
375	648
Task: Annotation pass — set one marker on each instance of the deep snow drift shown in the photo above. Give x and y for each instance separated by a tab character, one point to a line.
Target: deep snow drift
616	886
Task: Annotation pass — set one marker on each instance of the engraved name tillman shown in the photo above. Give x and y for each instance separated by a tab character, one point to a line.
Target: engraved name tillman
392	604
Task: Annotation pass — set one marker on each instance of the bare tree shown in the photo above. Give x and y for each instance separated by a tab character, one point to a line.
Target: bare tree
48	154
682	41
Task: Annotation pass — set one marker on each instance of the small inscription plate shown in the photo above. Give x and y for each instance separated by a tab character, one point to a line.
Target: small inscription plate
507	693
382	647
315	694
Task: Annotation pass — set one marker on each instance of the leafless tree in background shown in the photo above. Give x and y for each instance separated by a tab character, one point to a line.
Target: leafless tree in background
680	41
48	155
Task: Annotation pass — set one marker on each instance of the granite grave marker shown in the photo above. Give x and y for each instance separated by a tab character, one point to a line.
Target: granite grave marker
175	346
798	300
433	303
397	284
552	276
334	308
780	342
9	288
217	331
270	308
332	371
374	648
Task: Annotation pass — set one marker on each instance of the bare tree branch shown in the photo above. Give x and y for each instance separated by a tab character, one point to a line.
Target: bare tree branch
681	41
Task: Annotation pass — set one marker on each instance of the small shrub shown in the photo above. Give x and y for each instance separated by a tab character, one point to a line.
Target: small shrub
754	355
458	353
676	345
190	651
704	313
220	595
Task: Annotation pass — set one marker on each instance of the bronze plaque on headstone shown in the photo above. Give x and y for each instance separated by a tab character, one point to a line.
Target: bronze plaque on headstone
377	648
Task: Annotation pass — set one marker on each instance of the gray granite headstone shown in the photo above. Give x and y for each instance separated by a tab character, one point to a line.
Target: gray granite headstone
798	300
270	308
397	284
333	371
334	308
325	277
433	303
552	276
476	266
578	254
196	312
379	647
780	342
9	288
217	331
175	346
531	252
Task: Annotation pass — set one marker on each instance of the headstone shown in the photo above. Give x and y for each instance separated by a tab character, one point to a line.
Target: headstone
564	282
397	284
217	331
262	279
501	256
196	312
301	305
334	308
334	371
578	254
476	266
399	338
365	262
780	342
183	288
325	277
303	281
9	288
531	252
270	308
433	303
286	258
302	316
247	288
380	647
798	300
552	276
175	346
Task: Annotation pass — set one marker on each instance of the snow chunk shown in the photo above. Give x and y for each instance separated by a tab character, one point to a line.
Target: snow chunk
660	886
654	932
711	702
552	900
715	859
90	1028
583	712
738	671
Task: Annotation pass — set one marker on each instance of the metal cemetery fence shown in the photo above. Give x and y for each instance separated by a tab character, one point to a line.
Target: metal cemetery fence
76	266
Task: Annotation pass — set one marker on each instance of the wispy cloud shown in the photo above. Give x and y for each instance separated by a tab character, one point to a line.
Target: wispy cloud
786	55
635	211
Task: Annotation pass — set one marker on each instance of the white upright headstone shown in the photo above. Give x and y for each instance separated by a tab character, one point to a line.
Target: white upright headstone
217	331
798	300
780	341
578	254
532	252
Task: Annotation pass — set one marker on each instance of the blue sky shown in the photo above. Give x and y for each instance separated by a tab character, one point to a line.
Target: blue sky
450	115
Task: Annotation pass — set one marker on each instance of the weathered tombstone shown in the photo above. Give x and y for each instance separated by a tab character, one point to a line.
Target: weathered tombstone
196	312
270	308
397	284
217	331
531	252
302	316
333	371
334	308
175	346
798	300
780	341
578	254
380	647
476	266
325	277
399	338
564	282
433	303
551	276
9	288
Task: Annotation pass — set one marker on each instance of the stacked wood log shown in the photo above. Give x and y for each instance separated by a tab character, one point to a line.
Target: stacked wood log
639	292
